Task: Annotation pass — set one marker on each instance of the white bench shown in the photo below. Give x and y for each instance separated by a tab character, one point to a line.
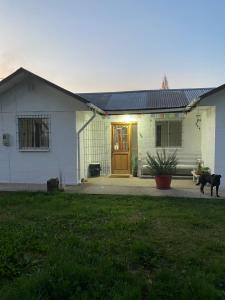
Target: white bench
143	170
186	163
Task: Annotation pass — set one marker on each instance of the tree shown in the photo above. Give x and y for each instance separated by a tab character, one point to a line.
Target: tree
165	85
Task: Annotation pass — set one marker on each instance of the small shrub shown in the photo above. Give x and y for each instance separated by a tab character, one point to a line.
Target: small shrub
162	163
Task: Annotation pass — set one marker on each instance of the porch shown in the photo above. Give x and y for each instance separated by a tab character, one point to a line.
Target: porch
115	142
139	186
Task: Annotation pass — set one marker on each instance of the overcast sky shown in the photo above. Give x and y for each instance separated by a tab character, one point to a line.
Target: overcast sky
110	45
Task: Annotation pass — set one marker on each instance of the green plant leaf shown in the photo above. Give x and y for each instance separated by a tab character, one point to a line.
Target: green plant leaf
162	163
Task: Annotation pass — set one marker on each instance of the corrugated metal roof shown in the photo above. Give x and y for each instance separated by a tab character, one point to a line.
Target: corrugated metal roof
144	100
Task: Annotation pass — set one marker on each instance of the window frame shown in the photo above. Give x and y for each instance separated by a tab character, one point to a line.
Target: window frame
33	149
168	121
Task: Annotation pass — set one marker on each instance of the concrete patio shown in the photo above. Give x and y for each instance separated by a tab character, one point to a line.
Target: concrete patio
140	186
121	186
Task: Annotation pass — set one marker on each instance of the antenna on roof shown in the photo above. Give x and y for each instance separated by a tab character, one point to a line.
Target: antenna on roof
165	84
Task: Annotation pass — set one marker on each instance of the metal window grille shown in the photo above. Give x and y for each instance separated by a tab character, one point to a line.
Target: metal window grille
33	132
95	145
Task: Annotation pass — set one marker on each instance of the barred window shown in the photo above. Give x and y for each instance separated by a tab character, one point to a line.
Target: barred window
33	133
168	133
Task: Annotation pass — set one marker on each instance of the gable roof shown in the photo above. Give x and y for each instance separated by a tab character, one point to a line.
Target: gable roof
169	99
213	91
139	101
22	73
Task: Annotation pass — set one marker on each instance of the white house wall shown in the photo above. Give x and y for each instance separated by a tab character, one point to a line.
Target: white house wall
208	137
217	101
32	97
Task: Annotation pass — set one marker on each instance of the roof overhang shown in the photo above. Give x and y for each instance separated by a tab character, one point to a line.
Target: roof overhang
147	111
193	104
212	92
11	80
196	101
96	108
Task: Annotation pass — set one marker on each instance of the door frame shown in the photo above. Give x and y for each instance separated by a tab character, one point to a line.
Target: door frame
129	142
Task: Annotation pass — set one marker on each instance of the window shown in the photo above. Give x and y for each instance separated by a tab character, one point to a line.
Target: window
168	133
33	133
121	138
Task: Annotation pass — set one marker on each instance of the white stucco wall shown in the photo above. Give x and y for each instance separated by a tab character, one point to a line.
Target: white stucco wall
208	137
217	101
32	97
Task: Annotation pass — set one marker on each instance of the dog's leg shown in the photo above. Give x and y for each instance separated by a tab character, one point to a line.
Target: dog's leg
202	188
211	190
217	190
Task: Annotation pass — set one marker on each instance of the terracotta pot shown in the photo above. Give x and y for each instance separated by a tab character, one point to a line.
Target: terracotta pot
163	182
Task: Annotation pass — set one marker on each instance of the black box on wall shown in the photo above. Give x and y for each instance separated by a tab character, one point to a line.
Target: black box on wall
94	170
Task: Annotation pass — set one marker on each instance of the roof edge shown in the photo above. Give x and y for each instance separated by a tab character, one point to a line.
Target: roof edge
195	101
150	90
146	111
22	70
213	91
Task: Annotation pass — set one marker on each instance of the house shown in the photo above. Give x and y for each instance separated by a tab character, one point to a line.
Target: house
47	131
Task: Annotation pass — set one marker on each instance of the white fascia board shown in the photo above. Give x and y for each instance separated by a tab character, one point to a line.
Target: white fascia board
155	111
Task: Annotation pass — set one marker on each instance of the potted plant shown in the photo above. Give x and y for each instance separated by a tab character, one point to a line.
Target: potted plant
202	170
206	170
135	166
162	166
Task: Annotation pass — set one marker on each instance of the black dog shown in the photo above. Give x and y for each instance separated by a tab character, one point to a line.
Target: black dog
213	180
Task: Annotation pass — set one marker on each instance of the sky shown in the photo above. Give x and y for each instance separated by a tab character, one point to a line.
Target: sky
114	45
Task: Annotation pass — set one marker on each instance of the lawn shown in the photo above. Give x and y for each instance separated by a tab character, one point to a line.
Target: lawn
69	246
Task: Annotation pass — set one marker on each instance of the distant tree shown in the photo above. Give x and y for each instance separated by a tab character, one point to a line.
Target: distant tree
165	84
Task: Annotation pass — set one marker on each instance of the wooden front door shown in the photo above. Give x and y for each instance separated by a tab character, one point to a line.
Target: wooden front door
121	148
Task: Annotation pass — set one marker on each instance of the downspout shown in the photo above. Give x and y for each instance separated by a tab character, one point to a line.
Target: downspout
78	140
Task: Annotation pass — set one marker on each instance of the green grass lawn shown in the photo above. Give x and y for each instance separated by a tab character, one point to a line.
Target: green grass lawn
69	246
